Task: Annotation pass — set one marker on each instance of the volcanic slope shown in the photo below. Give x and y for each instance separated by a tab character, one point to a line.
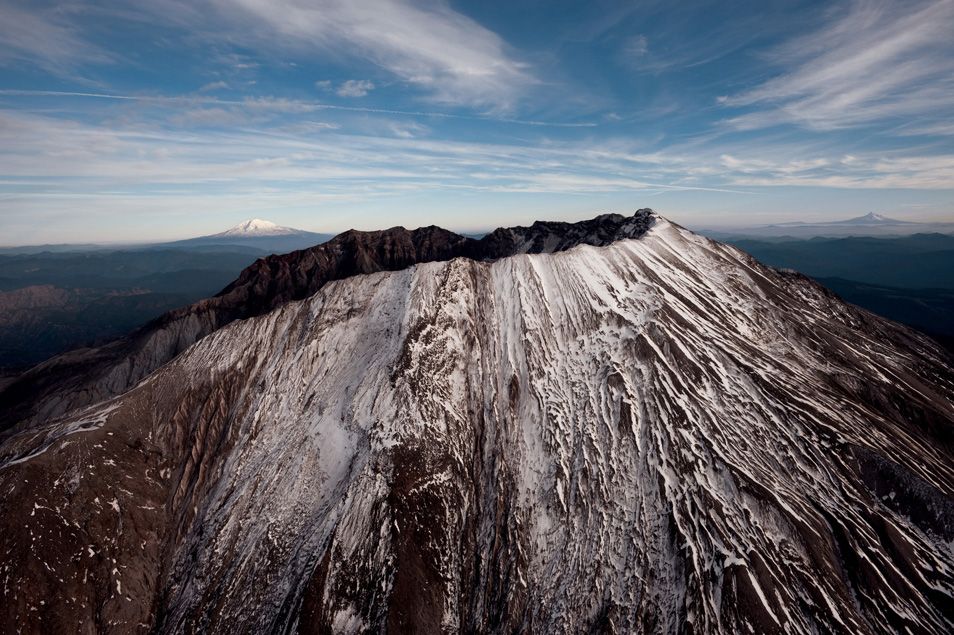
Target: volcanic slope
658	434
80	378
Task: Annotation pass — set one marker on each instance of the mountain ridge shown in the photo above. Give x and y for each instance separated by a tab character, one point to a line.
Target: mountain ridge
81	377
256	233
869	225
871	218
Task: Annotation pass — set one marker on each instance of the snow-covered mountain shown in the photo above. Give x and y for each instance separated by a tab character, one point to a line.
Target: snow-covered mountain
870	224
257	233
258	227
614	426
868	219
873	219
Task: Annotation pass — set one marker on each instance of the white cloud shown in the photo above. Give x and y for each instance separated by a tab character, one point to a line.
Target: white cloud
85	158
863	171
279	104
45	38
276	104
355	88
171	152
451	57
876	61
213	86
927	129
47	148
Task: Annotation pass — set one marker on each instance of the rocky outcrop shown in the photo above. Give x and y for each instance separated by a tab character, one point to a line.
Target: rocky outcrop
656	435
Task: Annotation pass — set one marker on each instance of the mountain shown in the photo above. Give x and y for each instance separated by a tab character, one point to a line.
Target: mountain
872	219
614	426
252	236
871	224
104	291
869	219
81	377
257	227
259	234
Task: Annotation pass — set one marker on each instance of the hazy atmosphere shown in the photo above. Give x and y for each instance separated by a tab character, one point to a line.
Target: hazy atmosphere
145	121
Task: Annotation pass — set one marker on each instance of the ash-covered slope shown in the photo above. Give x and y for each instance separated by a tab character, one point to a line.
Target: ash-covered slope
83	377
655	435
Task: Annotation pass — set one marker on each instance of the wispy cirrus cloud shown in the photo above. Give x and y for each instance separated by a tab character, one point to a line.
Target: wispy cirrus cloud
429	45
876	171
51	156
928	128
54	167
46	37
443	109
876	61
286	105
44	154
448	56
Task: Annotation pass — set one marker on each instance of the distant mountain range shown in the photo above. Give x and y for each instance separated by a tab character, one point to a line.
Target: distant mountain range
54	298
868	220
259	234
870	224
254	235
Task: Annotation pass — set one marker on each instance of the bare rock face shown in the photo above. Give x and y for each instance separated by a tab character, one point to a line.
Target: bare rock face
647	434
86	376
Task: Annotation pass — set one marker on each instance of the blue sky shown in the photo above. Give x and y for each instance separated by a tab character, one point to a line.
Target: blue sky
170	118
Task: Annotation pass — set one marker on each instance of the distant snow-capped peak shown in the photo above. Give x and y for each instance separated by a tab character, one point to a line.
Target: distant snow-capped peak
258	227
872	218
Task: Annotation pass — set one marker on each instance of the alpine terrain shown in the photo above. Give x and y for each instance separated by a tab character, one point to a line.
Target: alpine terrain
255	234
609	426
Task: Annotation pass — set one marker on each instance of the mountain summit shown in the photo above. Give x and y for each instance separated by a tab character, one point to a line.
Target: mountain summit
869	219
609	426
873	219
258	227
257	234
